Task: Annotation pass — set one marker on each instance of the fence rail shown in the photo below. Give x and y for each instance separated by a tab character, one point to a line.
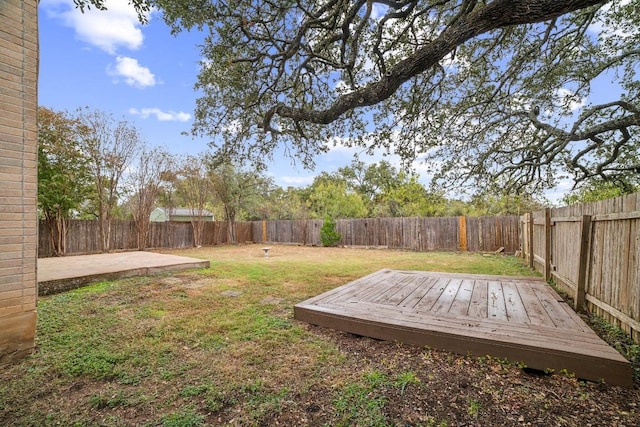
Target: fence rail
475	234
592	251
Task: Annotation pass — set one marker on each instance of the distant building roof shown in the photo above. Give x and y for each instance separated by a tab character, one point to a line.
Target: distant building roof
186	212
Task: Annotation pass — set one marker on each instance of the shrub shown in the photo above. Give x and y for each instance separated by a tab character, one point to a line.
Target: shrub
328	234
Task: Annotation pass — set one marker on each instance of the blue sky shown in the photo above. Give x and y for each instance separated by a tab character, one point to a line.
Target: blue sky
106	60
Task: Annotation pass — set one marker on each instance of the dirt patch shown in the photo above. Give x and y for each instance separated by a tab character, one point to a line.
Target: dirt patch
231	293
457	390
271	300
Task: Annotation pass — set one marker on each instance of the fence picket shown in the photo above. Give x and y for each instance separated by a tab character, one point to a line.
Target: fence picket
418	234
610	264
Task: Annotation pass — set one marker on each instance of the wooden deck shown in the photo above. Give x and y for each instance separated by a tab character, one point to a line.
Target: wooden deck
522	319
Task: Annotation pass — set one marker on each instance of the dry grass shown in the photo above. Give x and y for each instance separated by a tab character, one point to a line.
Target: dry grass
220	347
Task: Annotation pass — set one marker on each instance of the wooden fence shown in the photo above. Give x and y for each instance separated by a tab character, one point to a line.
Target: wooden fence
476	234
592	251
83	236
419	234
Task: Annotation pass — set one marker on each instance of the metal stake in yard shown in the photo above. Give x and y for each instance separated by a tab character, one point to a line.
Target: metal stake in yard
266	252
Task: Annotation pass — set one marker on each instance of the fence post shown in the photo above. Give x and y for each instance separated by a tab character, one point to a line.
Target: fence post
585	248
264	231
521	238
547	244
462	231
530	218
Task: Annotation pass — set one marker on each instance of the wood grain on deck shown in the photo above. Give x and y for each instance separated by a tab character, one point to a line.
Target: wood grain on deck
522	319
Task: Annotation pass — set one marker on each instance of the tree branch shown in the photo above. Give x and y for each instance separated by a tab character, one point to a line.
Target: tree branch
491	16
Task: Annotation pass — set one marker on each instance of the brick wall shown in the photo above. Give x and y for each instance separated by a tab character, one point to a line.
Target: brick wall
18	176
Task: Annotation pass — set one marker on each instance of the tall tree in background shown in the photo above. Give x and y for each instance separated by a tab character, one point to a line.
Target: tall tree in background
329	196
370	180
284	203
236	190
111	146
145	182
375	183
489	203
194	189
389	192
64	182
601	190
410	199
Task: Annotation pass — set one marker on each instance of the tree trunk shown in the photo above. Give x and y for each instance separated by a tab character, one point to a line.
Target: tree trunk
142	232
231	231
105	234
57	226
231	224
198	231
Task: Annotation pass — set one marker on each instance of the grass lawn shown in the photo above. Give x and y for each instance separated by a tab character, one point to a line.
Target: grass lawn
220	347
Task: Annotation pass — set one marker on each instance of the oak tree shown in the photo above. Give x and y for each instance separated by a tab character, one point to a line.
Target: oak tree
329	196
496	93
455	83
239	191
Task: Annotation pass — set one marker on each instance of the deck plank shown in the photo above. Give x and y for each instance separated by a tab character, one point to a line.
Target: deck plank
553	306
520	319
395	291
505	332
356	287
479	302
420	291
516	311
495	307
462	299
535	310
342	291
433	295
403	293
444	302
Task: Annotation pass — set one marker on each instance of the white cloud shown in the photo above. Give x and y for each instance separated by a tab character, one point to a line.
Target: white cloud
116	27
296	181
133	73
163	116
570	99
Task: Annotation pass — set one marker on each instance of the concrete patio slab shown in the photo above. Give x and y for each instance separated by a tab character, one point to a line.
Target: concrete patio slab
63	273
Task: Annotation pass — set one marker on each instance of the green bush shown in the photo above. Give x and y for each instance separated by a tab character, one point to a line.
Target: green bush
328	234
